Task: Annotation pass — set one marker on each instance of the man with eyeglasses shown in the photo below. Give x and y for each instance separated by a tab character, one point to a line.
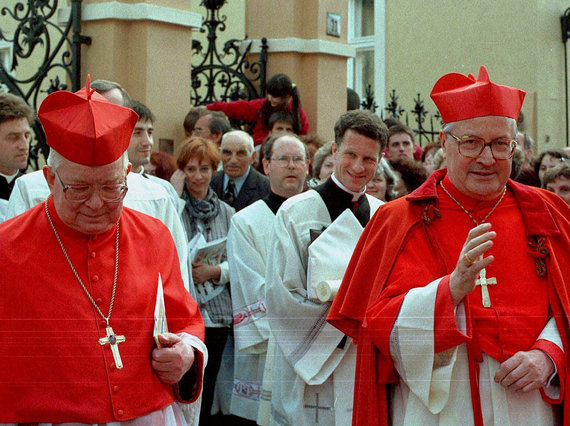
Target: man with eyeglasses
286	162
458	293
87	283
313	363
212	125
239	184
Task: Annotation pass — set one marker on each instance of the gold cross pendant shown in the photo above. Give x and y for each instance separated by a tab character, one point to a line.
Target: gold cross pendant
113	340
483	281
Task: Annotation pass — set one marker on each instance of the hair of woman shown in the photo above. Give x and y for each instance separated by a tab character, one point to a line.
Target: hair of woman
281	85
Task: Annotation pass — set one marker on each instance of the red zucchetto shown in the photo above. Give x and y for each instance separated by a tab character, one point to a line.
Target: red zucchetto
86	128
458	97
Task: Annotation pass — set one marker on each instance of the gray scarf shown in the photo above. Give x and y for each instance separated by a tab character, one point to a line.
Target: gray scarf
196	209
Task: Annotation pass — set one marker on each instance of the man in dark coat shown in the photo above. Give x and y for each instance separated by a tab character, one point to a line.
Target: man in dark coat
239	184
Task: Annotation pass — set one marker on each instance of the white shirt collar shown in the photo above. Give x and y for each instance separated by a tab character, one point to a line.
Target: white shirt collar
355	195
9	178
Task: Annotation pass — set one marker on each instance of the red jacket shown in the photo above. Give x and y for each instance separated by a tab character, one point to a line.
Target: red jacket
251	111
375	256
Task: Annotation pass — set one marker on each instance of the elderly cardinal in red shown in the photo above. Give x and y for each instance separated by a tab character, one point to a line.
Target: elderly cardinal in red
457	295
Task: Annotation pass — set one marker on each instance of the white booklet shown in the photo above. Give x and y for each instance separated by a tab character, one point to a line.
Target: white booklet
211	253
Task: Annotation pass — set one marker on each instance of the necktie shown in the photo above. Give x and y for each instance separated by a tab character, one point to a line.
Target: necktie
229	193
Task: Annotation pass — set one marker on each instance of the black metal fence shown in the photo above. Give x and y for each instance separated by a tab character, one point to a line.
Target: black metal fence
425	125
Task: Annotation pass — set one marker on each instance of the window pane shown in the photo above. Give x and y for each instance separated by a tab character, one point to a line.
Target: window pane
363	71
364	18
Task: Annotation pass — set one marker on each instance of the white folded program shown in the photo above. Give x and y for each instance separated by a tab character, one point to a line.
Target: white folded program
329	255
211	253
327	290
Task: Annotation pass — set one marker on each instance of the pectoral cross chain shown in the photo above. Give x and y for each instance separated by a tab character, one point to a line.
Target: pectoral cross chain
483	281
113	340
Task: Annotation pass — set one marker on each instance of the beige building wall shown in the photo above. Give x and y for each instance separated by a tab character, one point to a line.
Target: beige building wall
300	47
146	47
519	42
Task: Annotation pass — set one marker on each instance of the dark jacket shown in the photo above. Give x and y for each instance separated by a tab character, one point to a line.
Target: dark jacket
255	187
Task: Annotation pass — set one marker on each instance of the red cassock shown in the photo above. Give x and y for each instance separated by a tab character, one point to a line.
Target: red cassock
413	241
52	367
251	111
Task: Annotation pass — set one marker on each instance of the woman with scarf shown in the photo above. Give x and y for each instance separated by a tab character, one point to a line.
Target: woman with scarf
204	213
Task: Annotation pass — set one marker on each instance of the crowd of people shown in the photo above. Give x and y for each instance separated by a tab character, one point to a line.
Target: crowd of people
285	279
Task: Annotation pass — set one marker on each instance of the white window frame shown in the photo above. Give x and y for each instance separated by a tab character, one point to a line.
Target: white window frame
376	43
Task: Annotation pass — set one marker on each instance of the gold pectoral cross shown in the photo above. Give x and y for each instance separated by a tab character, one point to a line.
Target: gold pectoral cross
483	281
113	340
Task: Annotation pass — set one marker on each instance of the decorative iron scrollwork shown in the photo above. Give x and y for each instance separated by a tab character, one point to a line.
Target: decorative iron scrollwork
419	112
393	109
225	75
38	36
419	115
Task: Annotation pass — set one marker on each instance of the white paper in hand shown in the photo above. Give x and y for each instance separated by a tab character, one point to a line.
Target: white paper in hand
160	324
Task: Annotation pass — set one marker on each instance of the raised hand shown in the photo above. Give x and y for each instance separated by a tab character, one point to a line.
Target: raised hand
471	261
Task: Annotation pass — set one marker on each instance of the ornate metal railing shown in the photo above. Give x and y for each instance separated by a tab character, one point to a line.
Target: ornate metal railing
424	124
369	102
225	74
38	39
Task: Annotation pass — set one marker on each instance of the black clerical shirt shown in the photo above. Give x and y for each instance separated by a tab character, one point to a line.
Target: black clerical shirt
273	201
6	188
338	200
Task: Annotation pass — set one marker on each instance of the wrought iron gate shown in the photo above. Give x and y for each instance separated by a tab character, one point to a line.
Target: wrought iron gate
38	36
225	74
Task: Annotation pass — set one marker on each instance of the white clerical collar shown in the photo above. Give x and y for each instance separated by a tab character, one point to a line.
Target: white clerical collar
355	195
141	172
9	178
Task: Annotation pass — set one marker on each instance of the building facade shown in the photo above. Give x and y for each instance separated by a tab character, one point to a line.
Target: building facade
326	46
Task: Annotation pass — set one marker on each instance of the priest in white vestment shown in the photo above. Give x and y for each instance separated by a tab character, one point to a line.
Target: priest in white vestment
313	366
286	163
